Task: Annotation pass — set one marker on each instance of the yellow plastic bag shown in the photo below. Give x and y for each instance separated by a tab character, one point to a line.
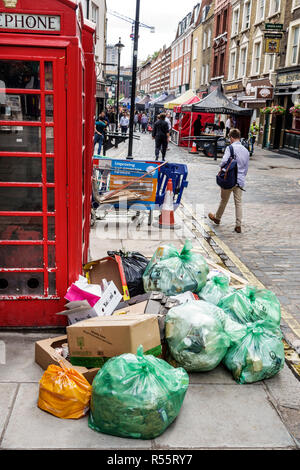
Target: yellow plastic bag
64	392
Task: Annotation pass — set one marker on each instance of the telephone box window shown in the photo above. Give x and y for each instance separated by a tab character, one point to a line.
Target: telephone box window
50	198
20	199
49	108
21	228
48	76
19	74
21	169
51	228
20	107
49	140
52	283
20	139
50	170
21	256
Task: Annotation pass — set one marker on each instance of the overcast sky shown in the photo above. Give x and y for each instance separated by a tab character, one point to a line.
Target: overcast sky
164	15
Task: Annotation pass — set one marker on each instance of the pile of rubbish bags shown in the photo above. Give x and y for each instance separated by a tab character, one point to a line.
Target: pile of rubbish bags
139	396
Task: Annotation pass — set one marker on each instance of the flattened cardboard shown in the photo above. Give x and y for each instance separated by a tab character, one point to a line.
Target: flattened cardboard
112	336
45	355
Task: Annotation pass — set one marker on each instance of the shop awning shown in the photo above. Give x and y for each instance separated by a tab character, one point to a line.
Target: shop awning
181	99
193	100
167	99
158	99
217	102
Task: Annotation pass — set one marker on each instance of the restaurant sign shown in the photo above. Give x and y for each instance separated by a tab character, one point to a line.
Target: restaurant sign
26	22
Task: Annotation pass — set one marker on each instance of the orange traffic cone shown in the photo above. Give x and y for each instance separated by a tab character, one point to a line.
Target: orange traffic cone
194	148
166	218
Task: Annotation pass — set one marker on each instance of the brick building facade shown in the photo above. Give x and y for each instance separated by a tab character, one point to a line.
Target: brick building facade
181	49
160	71
201	49
221	32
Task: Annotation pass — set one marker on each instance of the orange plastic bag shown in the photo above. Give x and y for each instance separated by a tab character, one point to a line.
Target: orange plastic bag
64	392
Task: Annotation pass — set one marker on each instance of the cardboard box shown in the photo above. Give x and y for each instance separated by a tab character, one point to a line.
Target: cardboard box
111	336
104	268
78	311
45	355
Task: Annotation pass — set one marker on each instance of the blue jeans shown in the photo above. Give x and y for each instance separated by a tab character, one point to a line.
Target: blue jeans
98	138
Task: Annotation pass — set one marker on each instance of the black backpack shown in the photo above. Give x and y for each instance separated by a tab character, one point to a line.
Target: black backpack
227	176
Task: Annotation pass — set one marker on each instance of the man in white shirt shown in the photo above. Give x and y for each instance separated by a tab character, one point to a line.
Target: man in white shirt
242	157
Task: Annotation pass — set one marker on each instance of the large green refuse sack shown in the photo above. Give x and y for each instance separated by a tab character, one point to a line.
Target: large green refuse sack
258	355
173	273
198	335
136	396
251	304
215	289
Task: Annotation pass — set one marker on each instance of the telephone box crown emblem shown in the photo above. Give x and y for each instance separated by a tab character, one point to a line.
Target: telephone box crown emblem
10	3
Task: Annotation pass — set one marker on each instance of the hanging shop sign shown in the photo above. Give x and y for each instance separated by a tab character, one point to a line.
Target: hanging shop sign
265	93
272	43
274	26
24	22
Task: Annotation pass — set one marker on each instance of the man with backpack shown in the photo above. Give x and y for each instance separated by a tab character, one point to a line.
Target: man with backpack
231	178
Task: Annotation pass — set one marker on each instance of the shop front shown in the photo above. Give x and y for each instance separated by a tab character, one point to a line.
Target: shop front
47	90
285	130
258	94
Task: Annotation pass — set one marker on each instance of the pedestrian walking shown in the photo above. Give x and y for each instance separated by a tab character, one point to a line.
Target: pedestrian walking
112	117
139	120
124	123
228	125
161	135
144	122
253	134
241	154
136	120
100	126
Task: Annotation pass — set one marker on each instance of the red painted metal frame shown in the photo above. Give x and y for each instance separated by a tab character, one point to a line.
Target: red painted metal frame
71	51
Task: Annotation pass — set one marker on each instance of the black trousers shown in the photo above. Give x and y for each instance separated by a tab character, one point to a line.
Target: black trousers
161	144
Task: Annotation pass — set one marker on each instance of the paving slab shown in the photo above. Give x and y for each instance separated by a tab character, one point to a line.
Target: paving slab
7	394
226	416
285	388
32	428
20	364
219	375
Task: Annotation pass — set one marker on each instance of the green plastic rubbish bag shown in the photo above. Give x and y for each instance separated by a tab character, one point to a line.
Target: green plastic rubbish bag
215	289
258	355
251	304
199	333
136	396
173	273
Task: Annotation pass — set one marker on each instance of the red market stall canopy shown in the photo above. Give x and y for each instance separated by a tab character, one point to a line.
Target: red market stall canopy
216	102
194	99
187	95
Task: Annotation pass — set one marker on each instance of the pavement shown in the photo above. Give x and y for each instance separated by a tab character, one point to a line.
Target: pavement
217	413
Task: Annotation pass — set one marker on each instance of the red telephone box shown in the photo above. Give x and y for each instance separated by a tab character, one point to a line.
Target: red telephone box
47	106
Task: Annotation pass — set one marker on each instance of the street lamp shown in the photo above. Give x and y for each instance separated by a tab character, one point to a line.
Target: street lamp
119	46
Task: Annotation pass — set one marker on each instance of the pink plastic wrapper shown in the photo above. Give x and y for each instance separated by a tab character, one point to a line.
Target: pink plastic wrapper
74	293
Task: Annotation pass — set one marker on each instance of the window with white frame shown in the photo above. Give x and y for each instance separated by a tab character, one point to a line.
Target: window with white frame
204	41
295	45
195	49
256	58
260	10
172	79
206	74
95	16
175	77
202	74
296	4
208	37
179	75
232	65
187	71
235	21
194	79
246	14
243	61
274	7
181	49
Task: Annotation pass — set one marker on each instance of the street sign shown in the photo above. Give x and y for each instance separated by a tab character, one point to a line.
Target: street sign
274	26
273	35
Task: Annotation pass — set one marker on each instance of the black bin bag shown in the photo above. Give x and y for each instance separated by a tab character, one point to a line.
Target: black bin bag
134	265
